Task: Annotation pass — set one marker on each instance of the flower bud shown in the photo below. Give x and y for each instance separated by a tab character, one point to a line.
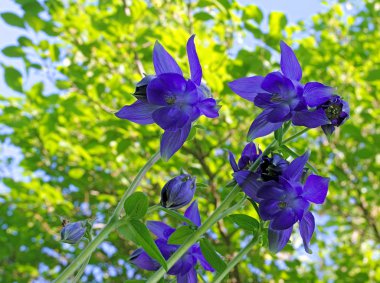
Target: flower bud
178	192
140	92
72	233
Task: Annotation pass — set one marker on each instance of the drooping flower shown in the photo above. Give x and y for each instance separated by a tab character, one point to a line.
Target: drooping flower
282	97
178	192
171	101
72	233
287	201
184	268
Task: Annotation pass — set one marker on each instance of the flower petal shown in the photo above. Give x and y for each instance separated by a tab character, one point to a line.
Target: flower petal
310	119
279	113
289	63
189	277
261	127
269	208
272	190
160	229
295	169
315	189
142	260
264	100
248	87
163	62
192	213
316	93
171	141
300	205
278	84
195	66
249	183
199	255
209	108
284	220
278	239
307	226
232	160
169	86
139	112
170	118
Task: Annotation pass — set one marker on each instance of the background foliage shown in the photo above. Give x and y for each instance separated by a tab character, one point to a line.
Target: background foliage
77	158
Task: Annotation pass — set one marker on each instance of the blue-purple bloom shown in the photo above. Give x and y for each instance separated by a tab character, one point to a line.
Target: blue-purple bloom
283	98
72	233
286	201
184	268
171	101
178	192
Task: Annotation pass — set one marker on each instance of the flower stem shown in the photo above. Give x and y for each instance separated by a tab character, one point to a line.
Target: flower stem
112	223
236	260
296	135
211	220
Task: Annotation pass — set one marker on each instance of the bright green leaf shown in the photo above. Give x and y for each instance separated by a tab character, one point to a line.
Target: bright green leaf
245	222
136	205
180	235
211	255
13	51
13	78
13	20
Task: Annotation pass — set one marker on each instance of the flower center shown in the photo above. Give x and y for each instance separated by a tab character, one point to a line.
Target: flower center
333	111
282	204
170	99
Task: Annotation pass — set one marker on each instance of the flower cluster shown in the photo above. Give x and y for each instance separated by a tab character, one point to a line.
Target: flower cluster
283	98
184	269
170	100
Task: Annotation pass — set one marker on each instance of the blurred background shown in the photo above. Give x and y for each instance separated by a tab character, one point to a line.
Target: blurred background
66	64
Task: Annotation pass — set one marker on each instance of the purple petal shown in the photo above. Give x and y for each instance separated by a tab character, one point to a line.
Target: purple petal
316	93
232	160
199	255
278	239
269	208
172	141
170	118
195	66
300	205
310	119
192	213
264	100
142	260
315	189
307	226
272	190
289	63
248	87
295	169
209	108
189	277
139	112
249	183
284	220
172	86
278	84
163	62
279	113
261	127
161	230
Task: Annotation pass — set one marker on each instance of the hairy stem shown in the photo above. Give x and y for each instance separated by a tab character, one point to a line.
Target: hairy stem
112	223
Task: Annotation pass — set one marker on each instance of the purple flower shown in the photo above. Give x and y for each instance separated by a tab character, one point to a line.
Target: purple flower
170	100
184	268
72	233
178	192
282	97
287	201
248	156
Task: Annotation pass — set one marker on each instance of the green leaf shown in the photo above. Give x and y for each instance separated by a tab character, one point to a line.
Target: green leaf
13	78
278	135
245	222
203	16
136	205
54	52
211	256
13	20
13	51
142	237
253	12
24	41
180	235
76	173
277	22
373	75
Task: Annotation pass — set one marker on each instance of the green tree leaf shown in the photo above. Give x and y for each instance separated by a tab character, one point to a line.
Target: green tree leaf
253	12
136	205
13	51
13	78
211	255
13	20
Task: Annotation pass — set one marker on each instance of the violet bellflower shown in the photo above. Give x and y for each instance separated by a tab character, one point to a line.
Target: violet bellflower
283	98
170	100
286	202
72	233
184	268
178	192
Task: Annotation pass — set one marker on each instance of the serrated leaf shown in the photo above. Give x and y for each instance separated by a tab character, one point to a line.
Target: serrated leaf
180	235
13	20
142	237
245	222
211	256
136	205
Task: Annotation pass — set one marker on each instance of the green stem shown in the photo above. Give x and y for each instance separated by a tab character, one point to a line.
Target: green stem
81	270
211	220
112	223
296	135
236	260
